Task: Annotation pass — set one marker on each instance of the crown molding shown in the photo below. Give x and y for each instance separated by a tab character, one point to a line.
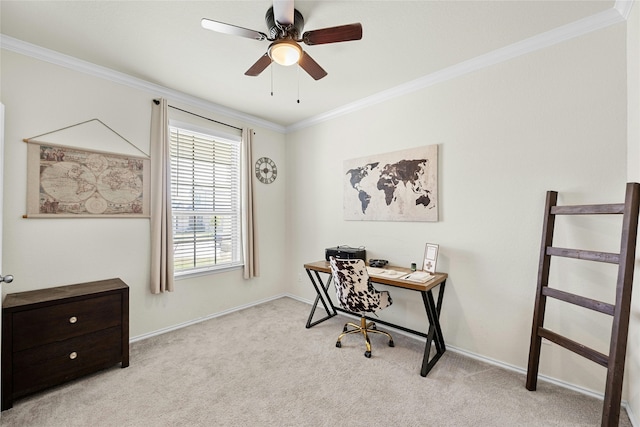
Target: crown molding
624	7
558	35
57	58
619	13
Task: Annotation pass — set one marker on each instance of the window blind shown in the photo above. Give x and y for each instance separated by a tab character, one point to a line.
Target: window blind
205	198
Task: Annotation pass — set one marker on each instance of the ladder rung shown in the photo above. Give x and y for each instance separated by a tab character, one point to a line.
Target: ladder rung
625	260
584	255
617	208
577	348
589	303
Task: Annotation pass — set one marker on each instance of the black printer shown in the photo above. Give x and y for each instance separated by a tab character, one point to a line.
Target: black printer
346	252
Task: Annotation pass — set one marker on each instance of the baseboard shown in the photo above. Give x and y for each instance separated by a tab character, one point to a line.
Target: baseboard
202	319
632	418
454	349
507	366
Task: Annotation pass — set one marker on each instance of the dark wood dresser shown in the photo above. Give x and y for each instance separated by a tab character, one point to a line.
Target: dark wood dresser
54	335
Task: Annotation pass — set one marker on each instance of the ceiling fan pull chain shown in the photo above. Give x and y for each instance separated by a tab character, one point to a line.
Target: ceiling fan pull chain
298	73
271	69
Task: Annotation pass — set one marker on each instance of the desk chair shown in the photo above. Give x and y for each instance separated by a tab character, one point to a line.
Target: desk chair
356	294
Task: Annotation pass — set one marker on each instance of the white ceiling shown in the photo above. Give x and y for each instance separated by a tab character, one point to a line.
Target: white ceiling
162	42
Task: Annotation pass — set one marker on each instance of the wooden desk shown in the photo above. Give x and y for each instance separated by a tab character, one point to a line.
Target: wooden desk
432	308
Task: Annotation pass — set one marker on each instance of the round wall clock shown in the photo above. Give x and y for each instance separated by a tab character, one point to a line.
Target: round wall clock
266	170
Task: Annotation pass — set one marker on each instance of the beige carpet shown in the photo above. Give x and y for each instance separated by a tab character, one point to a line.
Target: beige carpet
261	367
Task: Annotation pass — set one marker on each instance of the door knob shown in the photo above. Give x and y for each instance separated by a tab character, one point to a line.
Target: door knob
6	279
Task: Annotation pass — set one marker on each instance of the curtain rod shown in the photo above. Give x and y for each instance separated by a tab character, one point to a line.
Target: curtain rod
156	101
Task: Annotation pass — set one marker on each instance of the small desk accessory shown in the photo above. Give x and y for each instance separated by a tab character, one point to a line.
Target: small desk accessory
430	258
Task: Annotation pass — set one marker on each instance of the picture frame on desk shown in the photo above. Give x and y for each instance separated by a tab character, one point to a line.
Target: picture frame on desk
430	258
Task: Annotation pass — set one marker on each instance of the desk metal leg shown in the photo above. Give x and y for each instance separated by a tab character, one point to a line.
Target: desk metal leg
436	309
321	291
433	314
432	308
440	296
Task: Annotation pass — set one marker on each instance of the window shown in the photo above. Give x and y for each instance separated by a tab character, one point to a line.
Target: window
205	198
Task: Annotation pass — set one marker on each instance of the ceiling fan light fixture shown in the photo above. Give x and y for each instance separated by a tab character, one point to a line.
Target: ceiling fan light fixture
285	52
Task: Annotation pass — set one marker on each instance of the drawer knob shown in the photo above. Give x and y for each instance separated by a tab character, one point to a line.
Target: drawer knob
73	355
73	319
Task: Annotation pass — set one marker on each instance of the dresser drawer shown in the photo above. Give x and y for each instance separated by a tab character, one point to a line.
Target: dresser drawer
38	368
53	335
59	322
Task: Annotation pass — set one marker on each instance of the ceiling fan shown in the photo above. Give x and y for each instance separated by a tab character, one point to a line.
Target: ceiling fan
285	25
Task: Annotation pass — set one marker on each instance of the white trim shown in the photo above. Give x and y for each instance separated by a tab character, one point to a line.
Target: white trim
202	319
523	371
532	44
545	378
624	7
632	418
617	14
57	58
472	355
500	364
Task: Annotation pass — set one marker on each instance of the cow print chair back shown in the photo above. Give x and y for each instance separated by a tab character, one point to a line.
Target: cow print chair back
356	294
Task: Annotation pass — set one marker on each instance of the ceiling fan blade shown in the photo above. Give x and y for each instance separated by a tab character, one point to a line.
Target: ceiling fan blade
233	30
341	33
311	66
283	11
259	66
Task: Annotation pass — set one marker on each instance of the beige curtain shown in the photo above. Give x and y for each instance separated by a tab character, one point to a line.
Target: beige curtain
249	230
161	230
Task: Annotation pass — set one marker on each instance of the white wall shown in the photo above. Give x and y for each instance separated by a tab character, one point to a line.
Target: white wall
41	97
554	119
632	380
549	120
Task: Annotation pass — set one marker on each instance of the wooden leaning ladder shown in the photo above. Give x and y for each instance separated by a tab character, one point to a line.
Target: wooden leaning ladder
620	311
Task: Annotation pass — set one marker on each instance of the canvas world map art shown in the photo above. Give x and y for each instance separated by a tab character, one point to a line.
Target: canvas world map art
66	181
398	186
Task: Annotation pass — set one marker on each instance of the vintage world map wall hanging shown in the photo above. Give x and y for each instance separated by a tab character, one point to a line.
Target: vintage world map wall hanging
397	186
71	182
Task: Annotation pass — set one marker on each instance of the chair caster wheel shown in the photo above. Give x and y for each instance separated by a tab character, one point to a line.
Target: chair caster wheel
344	329
338	344
367	354
391	344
